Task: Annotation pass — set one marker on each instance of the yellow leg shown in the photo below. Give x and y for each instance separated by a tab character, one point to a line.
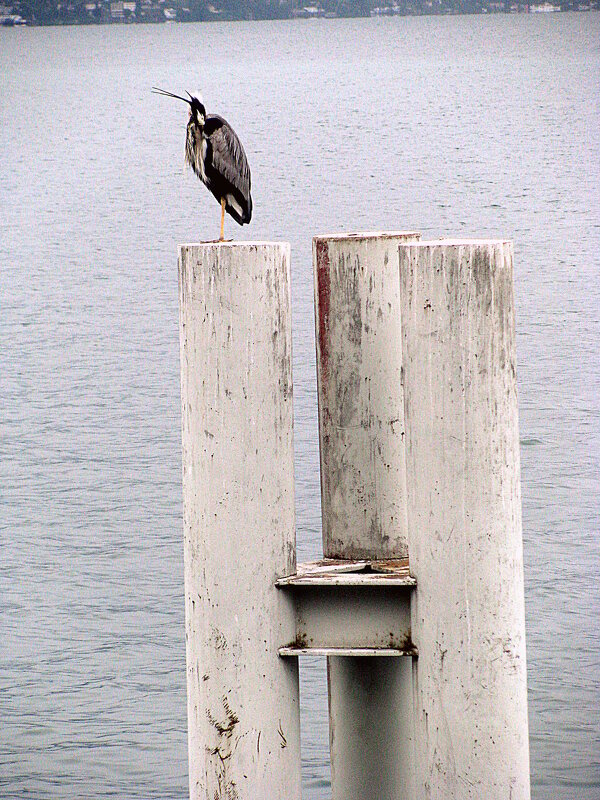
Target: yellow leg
222	219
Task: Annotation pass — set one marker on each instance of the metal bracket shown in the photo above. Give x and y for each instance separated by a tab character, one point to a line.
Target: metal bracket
351	608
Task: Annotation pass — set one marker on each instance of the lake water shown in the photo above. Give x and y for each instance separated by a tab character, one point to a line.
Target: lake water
478	126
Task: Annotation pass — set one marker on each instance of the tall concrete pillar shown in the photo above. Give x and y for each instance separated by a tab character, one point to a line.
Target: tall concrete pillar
238	484
361	428
361	411
464	520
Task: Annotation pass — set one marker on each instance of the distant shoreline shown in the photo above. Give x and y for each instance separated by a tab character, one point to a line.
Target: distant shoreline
129	12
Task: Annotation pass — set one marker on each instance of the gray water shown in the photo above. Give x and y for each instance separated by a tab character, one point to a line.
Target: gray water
478	126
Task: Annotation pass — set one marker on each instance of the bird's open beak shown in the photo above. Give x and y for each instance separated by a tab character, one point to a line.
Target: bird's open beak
156	90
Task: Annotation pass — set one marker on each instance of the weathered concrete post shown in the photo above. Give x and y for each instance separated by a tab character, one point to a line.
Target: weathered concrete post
464	520
243	706
361	428
361	411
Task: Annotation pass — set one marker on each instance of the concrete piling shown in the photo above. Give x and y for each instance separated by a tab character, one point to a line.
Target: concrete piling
464	520
363	485
243	700
361	412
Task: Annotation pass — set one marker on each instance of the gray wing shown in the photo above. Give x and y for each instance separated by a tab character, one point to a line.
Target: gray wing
228	156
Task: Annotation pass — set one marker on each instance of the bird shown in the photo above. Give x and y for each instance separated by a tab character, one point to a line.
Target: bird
215	153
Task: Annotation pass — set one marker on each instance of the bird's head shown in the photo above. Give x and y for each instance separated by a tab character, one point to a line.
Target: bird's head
197	110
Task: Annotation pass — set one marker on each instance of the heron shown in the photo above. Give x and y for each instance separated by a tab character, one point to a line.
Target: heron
215	153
